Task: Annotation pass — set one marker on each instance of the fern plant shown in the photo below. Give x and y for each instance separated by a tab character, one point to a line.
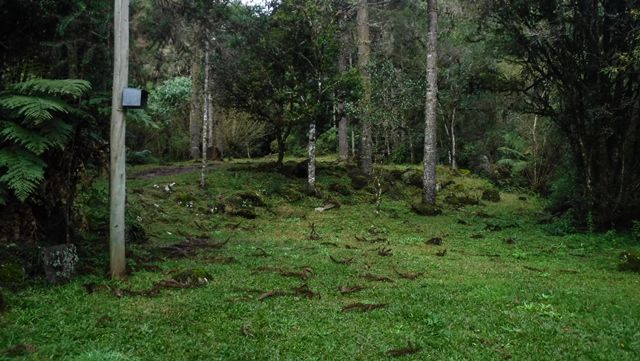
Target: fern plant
35	117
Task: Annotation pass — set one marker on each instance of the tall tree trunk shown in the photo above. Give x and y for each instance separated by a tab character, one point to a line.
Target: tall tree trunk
195	115
117	176
205	119
312	156
211	142
430	154
343	133
364	53
353	144
280	140
343	123
454	163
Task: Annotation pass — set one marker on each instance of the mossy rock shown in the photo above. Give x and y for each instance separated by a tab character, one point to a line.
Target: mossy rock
396	174
413	178
251	198
629	261
185	197
288	169
193	277
460	200
427	210
491	195
395	193
231	210
359	180
301	170
291	194
241	204
11	274
340	188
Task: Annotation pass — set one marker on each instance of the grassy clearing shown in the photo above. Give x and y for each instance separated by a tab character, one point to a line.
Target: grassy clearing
506	287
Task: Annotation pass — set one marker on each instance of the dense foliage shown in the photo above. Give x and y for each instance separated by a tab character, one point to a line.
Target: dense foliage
534	95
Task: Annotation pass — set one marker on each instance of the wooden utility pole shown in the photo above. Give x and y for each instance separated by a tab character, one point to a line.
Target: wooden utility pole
430	154
117	178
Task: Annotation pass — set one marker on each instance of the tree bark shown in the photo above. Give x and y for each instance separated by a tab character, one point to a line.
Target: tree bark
312	156
430	154
117	176
343	123
280	140
364	53
211	141
343	133
205	120
454	163
196	108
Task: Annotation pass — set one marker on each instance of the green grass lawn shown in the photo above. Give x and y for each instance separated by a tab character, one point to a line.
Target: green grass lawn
508	286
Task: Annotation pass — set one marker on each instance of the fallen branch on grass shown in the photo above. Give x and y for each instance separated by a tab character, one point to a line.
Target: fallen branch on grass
343	261
409	350
407	275
362	307
350	289
372	277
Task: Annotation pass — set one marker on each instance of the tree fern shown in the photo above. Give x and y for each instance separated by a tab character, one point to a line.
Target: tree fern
73	88
24	173
36	118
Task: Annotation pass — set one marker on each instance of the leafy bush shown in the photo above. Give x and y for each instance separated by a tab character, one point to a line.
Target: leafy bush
163	128
242	134
561	226
327	142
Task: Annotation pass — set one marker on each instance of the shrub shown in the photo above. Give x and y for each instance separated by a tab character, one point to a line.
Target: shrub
327	142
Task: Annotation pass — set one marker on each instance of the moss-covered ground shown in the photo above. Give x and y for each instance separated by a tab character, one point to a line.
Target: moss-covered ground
510	285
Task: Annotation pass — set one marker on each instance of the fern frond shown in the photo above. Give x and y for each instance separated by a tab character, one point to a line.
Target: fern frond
24	172
55	133
34	109
52	87
31	140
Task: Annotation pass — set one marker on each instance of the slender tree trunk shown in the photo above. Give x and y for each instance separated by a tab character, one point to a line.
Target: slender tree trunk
343	133
211	141
205	120
312	156
364	53
353	144
454	163
412	154
117	176
194	115
343	123
280	140
430	154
